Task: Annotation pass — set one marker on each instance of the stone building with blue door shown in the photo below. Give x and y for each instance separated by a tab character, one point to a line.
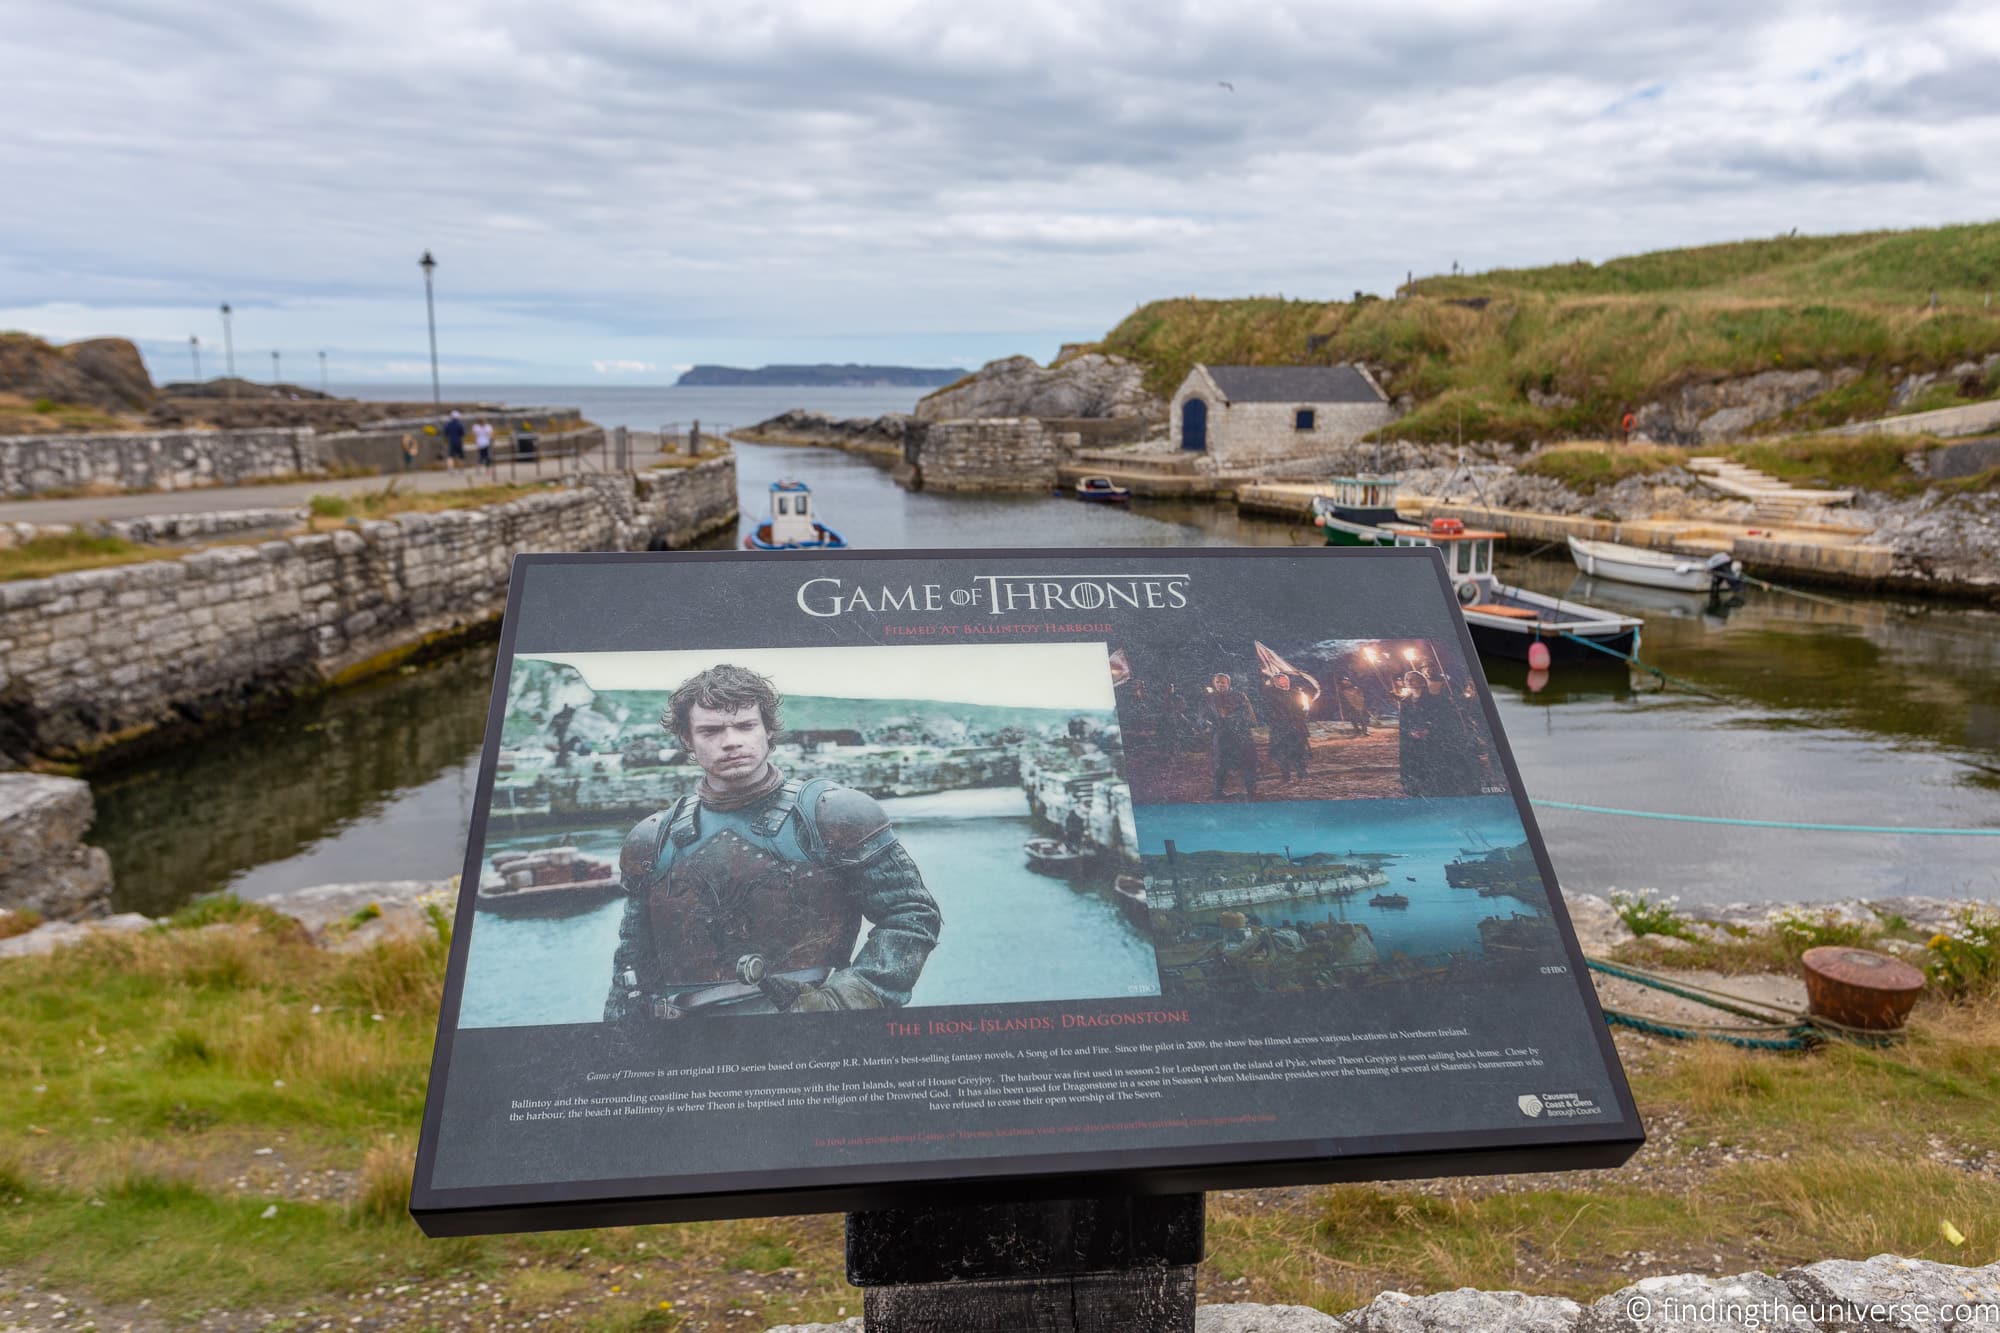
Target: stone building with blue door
1240	417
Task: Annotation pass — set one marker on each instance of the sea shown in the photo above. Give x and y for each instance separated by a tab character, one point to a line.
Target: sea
649	406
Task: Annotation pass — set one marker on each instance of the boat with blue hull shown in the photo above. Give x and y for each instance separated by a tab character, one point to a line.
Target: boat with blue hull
790	525
1507	621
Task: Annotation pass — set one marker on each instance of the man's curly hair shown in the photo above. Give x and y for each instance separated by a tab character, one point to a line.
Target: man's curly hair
724	688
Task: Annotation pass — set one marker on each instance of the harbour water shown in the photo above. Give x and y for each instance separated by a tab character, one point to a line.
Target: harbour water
1866	711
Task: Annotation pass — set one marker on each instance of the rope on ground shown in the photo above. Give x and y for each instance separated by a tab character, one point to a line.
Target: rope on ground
1632	659
1778	1027
1770	823
1723	1000
1800	1038
1768	586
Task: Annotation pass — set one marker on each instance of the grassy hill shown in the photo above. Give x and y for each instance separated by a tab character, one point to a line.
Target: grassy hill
1591	341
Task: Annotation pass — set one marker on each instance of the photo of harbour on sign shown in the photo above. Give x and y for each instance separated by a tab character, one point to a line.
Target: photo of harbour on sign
1340	894
1340	719
703	834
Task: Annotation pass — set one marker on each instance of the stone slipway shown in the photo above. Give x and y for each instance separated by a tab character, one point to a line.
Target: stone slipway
1817	553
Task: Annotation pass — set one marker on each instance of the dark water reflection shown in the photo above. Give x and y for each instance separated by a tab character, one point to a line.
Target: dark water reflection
1865	711
373	782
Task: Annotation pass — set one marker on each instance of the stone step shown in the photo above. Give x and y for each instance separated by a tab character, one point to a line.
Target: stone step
1733	478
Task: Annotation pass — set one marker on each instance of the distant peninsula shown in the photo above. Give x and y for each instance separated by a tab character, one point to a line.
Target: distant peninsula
821	375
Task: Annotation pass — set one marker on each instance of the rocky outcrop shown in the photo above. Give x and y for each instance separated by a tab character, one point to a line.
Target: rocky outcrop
105	373
44	866
1703	413
1091	385
883	435
1941	538
1885	1292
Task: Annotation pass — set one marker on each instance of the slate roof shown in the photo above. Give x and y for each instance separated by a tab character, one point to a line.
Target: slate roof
1293	384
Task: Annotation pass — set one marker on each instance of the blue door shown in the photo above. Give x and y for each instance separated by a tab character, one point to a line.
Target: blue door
1194	424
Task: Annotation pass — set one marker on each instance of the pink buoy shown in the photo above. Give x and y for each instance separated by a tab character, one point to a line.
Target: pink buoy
1538	656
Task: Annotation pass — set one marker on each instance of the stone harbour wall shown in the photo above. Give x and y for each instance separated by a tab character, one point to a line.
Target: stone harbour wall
683	504
987	454
98	657
44	866
175	460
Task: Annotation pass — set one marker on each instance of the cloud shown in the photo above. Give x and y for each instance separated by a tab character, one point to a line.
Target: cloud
622	367
679	183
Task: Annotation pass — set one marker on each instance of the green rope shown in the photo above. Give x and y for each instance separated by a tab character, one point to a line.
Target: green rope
1778	587
1687	993
1800	1038
1769	823
1633	660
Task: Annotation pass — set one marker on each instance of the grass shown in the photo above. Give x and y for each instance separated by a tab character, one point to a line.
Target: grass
18	921
1587	467
40	416
1594	341
42	557
139	1074
389	501
1871	462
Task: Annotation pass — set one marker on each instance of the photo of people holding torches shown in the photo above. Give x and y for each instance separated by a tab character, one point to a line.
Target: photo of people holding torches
1334	720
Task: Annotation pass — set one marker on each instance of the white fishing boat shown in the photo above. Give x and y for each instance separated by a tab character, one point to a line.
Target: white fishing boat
1507	621
1657	569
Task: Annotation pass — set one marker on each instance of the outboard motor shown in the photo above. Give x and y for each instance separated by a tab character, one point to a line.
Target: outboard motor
1724	573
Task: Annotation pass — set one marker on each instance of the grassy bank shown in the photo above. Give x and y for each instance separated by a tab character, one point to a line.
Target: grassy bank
389	501
220	1114
1591	342
42	557
1866	462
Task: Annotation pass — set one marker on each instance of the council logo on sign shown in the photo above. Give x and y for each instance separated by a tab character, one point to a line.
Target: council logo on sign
1530	1104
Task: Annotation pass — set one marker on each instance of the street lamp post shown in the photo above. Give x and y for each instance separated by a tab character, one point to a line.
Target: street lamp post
430	315
322	372
228	350
194	346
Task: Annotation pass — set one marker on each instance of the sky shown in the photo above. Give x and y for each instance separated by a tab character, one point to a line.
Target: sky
1072	676
616	189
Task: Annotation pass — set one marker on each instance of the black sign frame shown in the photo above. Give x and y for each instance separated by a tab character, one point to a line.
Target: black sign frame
1149	1170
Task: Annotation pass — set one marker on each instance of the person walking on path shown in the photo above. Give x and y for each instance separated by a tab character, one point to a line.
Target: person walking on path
409	451
454	442
482	435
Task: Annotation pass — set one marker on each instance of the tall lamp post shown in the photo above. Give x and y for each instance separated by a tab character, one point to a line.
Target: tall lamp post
229	349
430	314
322	372
194	346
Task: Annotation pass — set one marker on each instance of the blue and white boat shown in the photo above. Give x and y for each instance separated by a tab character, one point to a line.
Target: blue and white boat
790	526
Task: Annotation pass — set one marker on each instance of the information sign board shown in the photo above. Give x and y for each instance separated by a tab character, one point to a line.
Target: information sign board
817	882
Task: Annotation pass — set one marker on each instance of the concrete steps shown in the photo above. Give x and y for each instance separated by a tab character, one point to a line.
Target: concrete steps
1747	483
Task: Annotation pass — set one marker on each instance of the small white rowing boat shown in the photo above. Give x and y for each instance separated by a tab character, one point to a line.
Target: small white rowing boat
1656	569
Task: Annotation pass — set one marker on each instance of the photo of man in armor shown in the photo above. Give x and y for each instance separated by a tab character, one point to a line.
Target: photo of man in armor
747	896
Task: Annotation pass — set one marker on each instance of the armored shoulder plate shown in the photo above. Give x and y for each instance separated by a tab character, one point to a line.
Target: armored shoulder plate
642	847
851	826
